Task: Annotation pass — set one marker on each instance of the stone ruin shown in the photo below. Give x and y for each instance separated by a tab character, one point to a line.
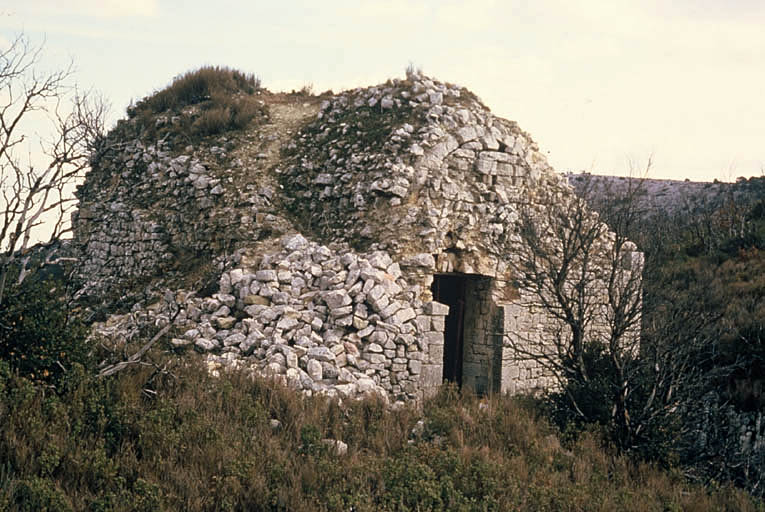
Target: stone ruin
343	244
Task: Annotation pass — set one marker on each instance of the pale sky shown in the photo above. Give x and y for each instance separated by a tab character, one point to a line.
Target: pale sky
597	83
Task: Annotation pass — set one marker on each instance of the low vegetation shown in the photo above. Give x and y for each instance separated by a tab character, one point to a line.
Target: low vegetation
40	338
703	334
189	441
208	101
165	435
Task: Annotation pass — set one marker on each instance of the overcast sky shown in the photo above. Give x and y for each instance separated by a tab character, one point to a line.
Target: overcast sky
599	84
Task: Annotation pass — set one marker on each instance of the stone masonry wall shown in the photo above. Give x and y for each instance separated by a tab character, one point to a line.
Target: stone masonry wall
480	337
387	186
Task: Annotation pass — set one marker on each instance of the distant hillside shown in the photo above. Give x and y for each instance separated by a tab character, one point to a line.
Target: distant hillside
673	196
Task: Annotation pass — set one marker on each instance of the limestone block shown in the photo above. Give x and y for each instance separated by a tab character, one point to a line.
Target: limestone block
433	338
206	344
251	300
191	334
181	342
404	315
388	311
320	354
431	375
374	358
345	321
287	322
365	385
234	339
342	311
337	299
314	369
466	133
266	275
436	354
225	322
485	166
435	308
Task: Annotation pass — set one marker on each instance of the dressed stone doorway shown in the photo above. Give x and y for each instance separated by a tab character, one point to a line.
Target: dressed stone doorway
469	333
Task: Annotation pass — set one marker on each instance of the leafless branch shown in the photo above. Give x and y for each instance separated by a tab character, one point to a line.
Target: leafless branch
38	173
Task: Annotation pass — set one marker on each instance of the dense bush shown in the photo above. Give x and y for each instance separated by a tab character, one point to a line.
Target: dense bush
224	114
702	353
39	337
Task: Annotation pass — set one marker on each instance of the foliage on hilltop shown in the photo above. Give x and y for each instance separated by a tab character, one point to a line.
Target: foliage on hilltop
208	101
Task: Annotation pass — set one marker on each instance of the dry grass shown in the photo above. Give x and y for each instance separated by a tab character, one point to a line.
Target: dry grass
210	100
201	443
193	87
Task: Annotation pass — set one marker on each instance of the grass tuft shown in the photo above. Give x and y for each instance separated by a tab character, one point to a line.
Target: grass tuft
208	101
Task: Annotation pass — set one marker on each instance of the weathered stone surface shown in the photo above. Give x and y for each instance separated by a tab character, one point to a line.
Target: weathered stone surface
267	275
436	309
294	242
426	182
181	342
205	344
314	369
321	354
337	298
225	322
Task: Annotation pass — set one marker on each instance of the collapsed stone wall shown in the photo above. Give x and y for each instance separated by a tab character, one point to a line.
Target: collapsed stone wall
138	218
321	320
151	209
389	186
419	167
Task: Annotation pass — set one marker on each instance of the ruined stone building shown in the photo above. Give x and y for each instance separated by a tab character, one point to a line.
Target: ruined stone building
344	244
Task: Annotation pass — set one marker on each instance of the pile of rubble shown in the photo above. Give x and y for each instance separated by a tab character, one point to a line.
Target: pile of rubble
321	321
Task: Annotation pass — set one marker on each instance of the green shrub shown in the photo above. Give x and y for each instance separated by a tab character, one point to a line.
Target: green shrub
39	495
206	102
225	114
310	441
410	484
39	336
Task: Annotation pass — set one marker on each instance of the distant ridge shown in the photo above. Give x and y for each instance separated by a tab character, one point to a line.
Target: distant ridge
672	196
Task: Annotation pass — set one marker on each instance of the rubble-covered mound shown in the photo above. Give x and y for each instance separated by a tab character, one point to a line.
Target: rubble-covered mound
304	245
318	319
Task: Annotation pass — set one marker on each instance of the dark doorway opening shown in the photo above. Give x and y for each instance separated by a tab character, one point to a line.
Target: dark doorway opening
450	290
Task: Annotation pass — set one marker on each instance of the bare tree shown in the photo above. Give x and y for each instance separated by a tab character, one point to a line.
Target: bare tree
637	362
586	278
38	173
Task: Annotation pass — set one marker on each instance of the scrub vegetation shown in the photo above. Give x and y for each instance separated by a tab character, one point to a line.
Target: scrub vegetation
143	441
163	434
208	101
